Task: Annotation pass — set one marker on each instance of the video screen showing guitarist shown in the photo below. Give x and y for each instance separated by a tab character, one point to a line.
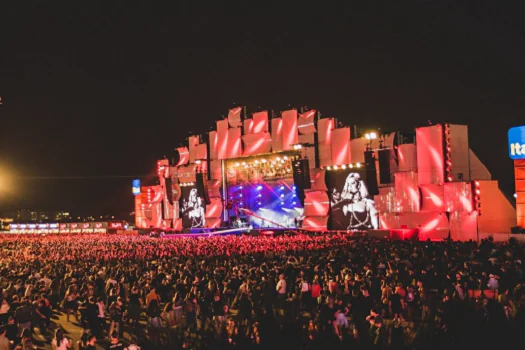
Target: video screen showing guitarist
351	206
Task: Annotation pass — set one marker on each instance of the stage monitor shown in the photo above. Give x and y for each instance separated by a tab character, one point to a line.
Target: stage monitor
192	206
351	204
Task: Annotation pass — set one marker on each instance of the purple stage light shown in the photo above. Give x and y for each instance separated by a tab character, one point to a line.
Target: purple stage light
259	187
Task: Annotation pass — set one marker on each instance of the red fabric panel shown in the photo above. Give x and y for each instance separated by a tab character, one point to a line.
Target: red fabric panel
256	144
213	145
234	117
184	155
306	122
214	188
316	203
201	151
407	157
277	134
315	223
388	221
432	198
260	122
432	225
463	226
248	126
193	141
214	209
234	143
430	157
222	139
326	127
458	196
216	170
317	178
341	146
407	192
156	215
290	133
213	223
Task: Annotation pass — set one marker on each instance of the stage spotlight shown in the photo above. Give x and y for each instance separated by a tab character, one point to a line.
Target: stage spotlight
328	168
358	165
294	195
282	195
240	187
294	188
336	167
343	166
259	187
282	203
240	195
294	203
259	195
263	160
282	187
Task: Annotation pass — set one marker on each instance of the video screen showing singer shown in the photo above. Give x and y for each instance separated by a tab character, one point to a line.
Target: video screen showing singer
351	207
193	212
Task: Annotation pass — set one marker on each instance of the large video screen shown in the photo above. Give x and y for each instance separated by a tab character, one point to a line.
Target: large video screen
352	206
192	207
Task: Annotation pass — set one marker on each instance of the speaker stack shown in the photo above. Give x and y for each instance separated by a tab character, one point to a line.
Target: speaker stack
301	178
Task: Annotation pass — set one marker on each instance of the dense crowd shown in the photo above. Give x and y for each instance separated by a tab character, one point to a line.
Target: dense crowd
240	292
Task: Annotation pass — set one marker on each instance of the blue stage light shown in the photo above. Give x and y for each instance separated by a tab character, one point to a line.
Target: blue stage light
259	195
294	203
240	187
240	195
294	195
259	187
294	188
282	187
282	195
282	203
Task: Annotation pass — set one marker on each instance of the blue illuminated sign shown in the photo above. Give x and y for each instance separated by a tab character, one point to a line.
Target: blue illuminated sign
517	142
136	187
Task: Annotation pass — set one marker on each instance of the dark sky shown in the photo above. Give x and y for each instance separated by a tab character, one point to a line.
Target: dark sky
93	91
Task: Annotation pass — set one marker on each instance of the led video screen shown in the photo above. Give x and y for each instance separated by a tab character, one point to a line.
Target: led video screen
192	207
351	204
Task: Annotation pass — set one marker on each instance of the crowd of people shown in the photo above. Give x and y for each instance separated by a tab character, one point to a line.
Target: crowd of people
240	292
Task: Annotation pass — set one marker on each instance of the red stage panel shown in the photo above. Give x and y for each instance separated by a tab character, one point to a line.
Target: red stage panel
519	181
407	157
214	188
459	148
315	223
341	146
458	196
155	194
213	144
260	122
497	214
316	204
214	209
156	215
186	173
407	192
430	157
257	143
306	123
326	127
177	224
432	198
431	225
386	202
213	223
234	143
184	155
317	179
411	234
388	221
201	151
248	126
216	169
193	141
234	117
463	226
290	133
222	139
277	134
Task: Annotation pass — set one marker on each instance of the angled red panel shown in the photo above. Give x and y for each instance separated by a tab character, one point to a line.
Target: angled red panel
341	146
290	133
326	128
248	126
316	203
184	156
214	188
407	157
213	145
256	144
222	139
193	141
213	223
431	225
260	122
315	223
177	224
216	169
277	134
186	173
306	123
463	226
156	215
407	192
234	143
214	209
234	117
458	196
432	198
388	221
430	156
201	151
317	179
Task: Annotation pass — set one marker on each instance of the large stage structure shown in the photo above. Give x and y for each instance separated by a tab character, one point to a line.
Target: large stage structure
301	171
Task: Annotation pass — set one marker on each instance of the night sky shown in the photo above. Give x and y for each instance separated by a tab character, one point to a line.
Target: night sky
93	91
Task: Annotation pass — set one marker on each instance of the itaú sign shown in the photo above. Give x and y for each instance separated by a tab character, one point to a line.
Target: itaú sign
517	142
